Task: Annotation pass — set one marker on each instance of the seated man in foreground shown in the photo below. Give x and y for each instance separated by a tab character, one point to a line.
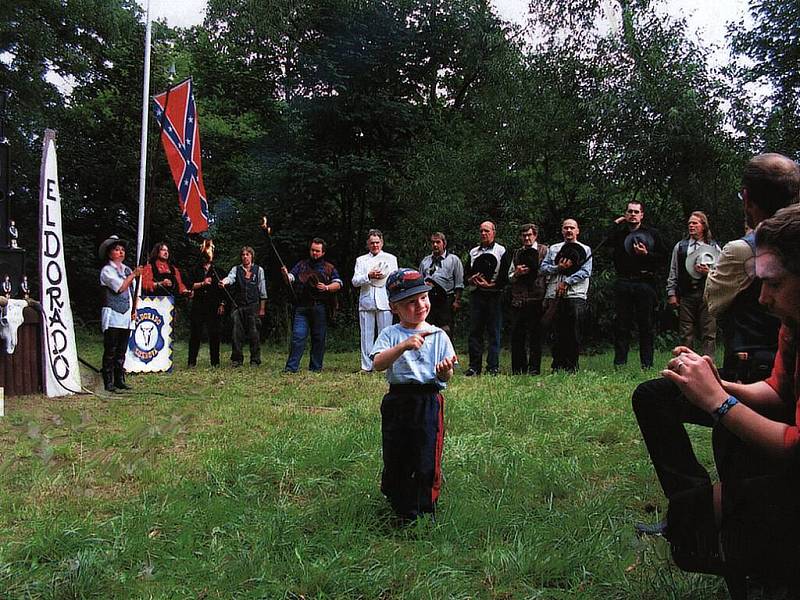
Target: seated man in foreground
747	524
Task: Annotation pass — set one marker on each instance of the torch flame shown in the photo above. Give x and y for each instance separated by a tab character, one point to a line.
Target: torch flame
207	249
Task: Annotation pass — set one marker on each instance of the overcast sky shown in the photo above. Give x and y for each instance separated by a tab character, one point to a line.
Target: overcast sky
706	18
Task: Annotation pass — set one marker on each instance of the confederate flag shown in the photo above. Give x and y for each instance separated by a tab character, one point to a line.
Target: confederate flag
176	113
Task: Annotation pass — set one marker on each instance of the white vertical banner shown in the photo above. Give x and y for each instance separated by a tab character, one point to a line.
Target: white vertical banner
60	354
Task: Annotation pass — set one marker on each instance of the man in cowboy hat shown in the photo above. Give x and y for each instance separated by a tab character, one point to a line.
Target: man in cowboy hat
314	280
639	253
569	267
116	316
487	275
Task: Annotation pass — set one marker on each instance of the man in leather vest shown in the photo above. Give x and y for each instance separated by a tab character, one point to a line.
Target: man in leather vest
770	182
314	281
250	292
527	292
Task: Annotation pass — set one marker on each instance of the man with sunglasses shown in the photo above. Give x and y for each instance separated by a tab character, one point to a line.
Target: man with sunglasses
639	253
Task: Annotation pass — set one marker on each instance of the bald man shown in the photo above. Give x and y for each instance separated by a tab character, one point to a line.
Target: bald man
485	308
568	285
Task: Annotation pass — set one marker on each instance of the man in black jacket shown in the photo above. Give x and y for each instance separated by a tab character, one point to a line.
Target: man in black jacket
639	252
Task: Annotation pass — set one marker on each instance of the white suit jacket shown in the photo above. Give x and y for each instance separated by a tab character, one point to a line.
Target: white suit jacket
372	292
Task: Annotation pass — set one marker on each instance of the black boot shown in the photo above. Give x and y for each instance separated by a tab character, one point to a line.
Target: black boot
107	381
119	379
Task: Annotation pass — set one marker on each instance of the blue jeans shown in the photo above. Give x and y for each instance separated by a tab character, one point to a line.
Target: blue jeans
308	319
485	315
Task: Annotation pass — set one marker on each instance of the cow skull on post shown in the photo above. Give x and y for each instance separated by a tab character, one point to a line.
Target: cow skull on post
11	318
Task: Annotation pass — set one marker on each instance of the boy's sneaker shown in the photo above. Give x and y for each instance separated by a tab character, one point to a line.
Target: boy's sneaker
471	372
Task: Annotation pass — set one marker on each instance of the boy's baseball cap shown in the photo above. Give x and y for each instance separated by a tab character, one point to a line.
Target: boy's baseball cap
404	283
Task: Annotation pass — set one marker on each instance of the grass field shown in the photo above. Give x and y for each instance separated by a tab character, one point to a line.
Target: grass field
250	483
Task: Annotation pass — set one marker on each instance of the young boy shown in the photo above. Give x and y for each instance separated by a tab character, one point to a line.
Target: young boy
418	359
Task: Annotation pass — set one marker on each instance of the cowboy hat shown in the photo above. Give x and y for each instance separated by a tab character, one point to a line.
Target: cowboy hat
572	251
704	254
102	252
642	237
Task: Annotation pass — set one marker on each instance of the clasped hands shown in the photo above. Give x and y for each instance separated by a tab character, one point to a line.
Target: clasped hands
478	280
697	377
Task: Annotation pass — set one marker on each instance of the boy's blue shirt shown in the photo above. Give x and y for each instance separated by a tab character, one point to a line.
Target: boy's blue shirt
415	366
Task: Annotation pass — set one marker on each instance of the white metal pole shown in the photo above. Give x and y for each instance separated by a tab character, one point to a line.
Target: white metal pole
143	149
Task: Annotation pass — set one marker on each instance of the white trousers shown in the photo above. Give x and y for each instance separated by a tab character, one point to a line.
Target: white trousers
372	323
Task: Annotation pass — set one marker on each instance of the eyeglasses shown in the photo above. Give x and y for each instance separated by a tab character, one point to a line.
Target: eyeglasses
632	212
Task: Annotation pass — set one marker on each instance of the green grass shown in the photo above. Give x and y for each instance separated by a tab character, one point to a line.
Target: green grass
253	484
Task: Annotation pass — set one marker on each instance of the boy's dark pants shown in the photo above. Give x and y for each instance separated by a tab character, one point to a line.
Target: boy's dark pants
412	427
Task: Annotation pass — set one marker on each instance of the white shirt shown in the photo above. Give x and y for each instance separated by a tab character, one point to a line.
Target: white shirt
372	292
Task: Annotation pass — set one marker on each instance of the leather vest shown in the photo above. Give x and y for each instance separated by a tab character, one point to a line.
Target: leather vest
247	289
118	302
529	288
159	277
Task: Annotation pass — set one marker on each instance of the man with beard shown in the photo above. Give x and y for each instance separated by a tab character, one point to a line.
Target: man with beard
314	281
445	273
528	285
159	276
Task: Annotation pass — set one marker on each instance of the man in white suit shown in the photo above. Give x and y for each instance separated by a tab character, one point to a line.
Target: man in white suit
373	303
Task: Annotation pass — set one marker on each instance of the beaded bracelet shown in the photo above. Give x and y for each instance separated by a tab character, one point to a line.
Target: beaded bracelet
723	409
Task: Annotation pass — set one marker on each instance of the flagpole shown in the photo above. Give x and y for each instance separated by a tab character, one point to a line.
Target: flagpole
143	146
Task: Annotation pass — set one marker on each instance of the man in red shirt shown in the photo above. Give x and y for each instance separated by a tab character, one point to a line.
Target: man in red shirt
159	276
748	523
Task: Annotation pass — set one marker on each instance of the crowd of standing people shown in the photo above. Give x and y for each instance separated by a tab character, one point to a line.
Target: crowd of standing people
543	289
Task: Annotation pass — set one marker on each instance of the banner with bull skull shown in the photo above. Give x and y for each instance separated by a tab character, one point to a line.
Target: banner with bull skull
150	344
61	373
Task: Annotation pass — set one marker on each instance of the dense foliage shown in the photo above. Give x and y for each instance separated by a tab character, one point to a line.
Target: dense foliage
336	116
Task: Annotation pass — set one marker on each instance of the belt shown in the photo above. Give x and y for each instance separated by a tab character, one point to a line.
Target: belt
413	388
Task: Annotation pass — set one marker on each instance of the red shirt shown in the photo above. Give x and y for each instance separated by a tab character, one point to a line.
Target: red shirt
785	380
149	286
